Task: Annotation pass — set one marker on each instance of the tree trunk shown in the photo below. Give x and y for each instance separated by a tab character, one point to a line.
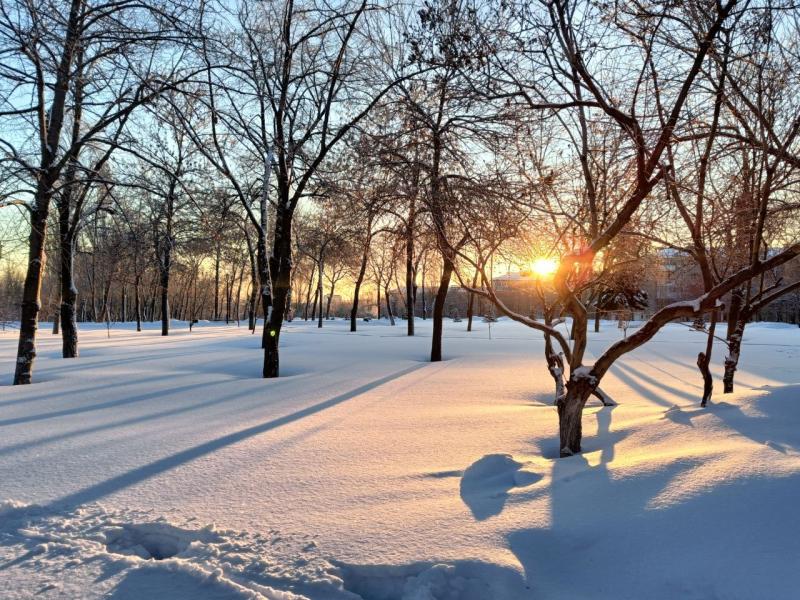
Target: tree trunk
31	294
570	415
252	304
316	302
321	264
124	308
216	283
708	382
737	297
410	278
388	305
165	269
308	294
360	278
152	307
734	351
281	270
228	297
555	364
438	310
471	302
69	297
138	302
704	361
239	296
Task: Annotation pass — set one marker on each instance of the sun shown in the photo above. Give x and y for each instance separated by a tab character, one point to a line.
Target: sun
544	267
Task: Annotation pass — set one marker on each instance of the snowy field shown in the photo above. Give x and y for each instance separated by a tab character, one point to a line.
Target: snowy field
165	468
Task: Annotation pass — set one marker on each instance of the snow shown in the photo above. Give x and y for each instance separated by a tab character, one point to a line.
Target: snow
166	468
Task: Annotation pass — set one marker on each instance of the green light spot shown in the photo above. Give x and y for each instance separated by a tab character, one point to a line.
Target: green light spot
272	333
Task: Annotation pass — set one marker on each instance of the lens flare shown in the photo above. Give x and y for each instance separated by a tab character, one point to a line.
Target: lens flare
544	267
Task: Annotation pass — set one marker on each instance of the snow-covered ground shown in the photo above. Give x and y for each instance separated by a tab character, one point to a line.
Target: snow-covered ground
165	468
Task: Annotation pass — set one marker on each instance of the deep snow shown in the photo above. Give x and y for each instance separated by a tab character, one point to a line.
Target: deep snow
166	468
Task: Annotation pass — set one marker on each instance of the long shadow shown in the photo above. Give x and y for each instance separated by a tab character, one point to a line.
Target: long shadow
114	425
74	365
129	354
85	359
485	485
114	484
605	440
634	379
101	406
584	500
692	367
276	385
779	425
605	541
81	391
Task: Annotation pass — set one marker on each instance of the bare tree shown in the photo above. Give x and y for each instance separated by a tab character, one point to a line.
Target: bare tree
110	50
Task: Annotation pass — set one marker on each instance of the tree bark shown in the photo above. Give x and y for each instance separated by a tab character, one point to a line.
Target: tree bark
48	175
410	276
388	305
570	414
138	302
704	361
281	270
316	303
471	302
239	295
438	310
732	358
308	293
69	297
321	297
165	272
360	278
31	294
555	361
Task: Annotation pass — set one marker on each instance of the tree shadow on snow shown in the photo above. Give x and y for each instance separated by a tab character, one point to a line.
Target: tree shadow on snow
607	539
636	380
605	542
130	478
134	398
777	424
